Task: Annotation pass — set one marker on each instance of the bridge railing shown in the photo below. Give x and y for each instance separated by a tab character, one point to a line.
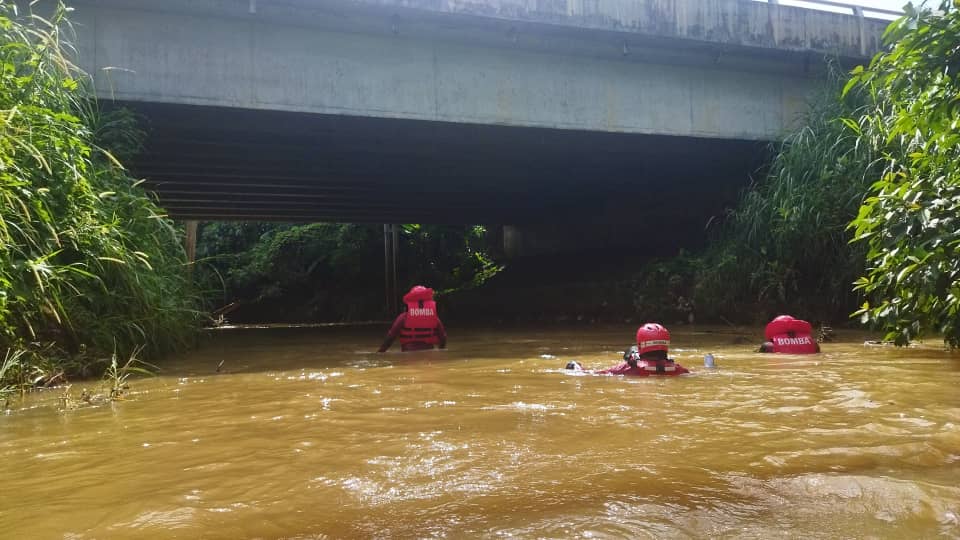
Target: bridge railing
839	7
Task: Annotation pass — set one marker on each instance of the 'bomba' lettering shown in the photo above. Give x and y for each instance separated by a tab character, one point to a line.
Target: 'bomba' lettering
421	312
803	340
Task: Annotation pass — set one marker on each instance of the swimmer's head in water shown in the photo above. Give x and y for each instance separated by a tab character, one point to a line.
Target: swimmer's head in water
574	365
652	337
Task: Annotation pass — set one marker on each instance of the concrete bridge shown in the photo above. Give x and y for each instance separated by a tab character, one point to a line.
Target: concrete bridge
484	111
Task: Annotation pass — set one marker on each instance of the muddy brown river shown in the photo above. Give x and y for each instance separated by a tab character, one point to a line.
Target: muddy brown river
306	433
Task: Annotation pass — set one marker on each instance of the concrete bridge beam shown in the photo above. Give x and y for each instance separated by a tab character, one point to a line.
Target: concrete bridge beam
654	73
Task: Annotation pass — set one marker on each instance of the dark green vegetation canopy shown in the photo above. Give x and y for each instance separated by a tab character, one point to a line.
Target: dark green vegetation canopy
88	264
331	271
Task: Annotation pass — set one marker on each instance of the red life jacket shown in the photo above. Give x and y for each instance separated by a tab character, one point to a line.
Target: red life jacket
660	367
791	336
421	323
647	368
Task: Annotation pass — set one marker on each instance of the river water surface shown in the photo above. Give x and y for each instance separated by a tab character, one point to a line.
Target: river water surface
309	434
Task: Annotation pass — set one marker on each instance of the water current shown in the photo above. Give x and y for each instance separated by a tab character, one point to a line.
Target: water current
307	433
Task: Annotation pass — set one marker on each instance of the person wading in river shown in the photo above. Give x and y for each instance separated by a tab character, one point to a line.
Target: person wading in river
648	357
787	335
418	327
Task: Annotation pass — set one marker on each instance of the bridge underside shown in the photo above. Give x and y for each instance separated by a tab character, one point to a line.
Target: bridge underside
237	164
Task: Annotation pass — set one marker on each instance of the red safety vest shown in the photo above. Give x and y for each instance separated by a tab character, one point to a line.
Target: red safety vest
647	368
421	323
661	367
791	337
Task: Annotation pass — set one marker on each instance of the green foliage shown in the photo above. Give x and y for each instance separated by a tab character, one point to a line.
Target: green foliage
87	260
449	258
663	290
786	246
11	375
909	222
332	271
288	271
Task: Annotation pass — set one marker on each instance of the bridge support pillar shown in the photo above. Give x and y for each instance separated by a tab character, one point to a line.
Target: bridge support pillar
861	27
512	242
190	241
391	242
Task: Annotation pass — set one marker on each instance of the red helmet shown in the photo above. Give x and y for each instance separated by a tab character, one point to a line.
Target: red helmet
652	337
418	293
784	324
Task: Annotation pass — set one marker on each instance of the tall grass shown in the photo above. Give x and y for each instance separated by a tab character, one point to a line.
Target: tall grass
787	247
87	260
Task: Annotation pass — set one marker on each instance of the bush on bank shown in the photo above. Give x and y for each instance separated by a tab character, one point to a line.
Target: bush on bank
89	265
910	221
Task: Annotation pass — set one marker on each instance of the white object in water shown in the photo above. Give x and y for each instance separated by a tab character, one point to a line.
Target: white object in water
709	361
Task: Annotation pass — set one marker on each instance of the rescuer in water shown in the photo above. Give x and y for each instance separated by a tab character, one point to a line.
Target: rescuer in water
418	327
648	357
785	334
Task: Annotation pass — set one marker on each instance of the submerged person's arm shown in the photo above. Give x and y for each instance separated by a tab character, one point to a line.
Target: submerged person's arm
618	369
393	333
